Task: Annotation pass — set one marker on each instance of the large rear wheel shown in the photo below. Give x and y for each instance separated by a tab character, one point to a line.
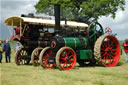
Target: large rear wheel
35	56
107	50
66	58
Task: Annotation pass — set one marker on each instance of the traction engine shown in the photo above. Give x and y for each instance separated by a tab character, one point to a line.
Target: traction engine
84	44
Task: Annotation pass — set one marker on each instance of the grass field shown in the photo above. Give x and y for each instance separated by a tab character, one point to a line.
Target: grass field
11	74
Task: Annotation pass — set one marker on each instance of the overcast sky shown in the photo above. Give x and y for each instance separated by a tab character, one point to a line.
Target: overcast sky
10	8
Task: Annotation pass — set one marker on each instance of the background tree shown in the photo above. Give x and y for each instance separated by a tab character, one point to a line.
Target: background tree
81	10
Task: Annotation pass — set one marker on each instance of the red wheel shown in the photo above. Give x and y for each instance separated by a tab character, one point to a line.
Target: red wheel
44	58
108	30
107	50
66	58
35	56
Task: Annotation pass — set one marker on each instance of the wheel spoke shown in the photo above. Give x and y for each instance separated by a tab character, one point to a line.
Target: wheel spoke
70	56
71	60
69	52
63	55
104	44
112	54
111	45
113	49
66	54
64	64
92	35
107	42
62	58
109	61
104	60
103	54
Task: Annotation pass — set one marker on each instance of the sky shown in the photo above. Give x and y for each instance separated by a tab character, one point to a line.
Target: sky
10	8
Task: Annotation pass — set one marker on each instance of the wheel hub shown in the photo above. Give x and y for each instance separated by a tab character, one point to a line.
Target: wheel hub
67	59
108	51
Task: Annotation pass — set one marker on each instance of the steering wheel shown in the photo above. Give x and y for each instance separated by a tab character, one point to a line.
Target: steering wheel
108	30
94	31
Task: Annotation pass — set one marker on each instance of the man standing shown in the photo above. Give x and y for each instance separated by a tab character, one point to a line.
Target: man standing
125	45
7	51
1	50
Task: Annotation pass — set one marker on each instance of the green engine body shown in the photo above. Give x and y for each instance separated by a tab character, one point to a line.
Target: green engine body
76	43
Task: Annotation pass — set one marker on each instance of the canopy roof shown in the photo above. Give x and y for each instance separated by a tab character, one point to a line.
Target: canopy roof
15	21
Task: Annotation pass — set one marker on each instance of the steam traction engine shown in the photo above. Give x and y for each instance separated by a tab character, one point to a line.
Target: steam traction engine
81	43
33	33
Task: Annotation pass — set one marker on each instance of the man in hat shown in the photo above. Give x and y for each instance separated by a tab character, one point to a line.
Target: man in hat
125	45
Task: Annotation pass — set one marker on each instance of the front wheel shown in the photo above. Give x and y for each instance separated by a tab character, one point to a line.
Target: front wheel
44	58
66	58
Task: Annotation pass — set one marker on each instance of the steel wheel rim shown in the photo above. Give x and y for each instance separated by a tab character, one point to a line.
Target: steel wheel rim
110	51
67	59
45	59
36	57
19	57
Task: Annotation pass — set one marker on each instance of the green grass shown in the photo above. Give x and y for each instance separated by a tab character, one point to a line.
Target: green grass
11	74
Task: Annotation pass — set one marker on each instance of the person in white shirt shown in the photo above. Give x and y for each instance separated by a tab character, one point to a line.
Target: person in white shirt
17	46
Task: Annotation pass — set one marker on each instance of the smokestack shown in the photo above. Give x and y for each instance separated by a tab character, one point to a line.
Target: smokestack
57	16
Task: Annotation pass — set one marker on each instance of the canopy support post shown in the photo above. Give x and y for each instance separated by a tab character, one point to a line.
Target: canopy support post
20	28
9	30
12	28
24	29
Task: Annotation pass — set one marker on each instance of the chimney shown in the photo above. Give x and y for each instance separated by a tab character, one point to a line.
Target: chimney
57	17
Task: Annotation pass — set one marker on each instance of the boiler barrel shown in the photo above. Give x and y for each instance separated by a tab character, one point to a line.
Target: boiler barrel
76	43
